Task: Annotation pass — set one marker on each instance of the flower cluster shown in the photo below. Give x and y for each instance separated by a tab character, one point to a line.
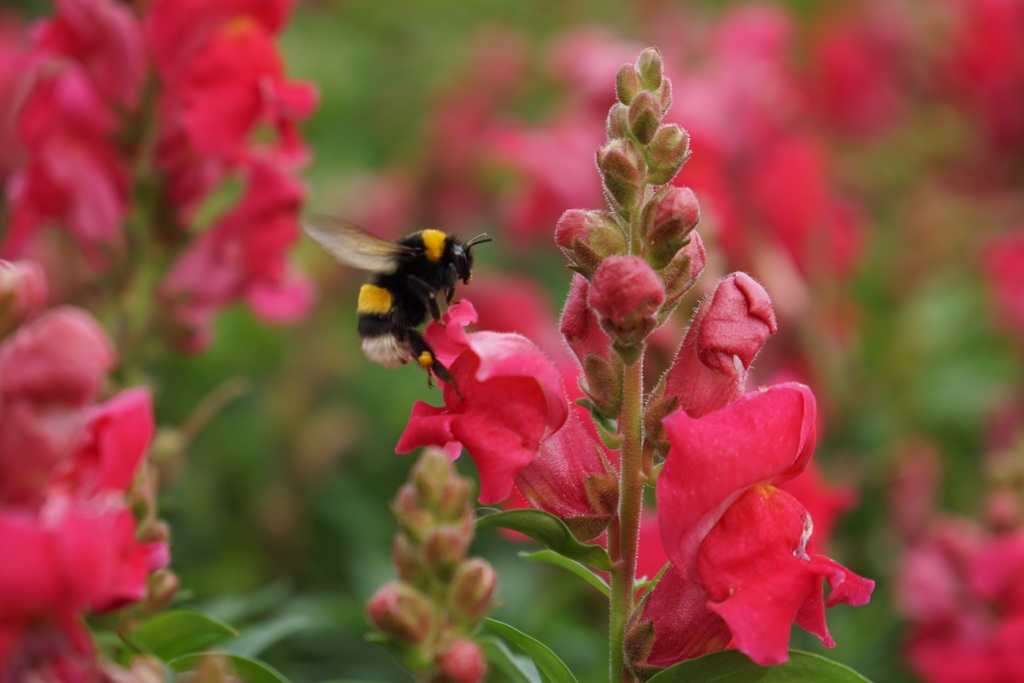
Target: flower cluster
429	615
743	559
130	123
69	496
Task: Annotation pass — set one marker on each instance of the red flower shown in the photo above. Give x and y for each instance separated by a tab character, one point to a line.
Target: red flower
74	176
1003	268
727	333
749	545
235	83
509	399
242	256
105	38
571	479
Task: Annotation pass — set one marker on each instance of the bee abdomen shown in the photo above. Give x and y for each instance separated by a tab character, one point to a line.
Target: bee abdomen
387	350
374	300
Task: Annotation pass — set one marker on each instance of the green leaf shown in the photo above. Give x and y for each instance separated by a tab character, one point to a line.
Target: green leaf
549	530
551	557
730	666
551	668
179	632
248	669
517	668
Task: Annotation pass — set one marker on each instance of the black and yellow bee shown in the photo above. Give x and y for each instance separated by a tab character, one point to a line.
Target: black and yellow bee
408	277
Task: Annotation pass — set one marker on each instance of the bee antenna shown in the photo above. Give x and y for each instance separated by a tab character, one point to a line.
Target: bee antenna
479	239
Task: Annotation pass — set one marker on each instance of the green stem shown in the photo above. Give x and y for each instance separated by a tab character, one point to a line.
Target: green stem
625	533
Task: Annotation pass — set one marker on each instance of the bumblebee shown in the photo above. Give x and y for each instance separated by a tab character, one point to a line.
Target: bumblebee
408	278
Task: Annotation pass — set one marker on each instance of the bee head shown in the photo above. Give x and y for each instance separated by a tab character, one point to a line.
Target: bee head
463	256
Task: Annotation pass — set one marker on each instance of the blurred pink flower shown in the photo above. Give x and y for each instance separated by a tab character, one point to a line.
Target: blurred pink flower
1002	266
719	508
23	292
233	84
14	56
509	399
105	38
959	588
242	257
554	171
74	176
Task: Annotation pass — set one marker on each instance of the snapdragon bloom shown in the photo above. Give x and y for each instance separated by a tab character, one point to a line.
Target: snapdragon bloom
66	468
741	544
509	399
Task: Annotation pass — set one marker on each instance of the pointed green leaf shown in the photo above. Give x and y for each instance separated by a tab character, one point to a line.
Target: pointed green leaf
551	668
551	557
730	666
549	530
517	668
179	632
248	669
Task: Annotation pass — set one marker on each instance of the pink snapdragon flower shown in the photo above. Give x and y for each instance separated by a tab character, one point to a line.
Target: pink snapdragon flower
66	468
509	399
1003	268
730	532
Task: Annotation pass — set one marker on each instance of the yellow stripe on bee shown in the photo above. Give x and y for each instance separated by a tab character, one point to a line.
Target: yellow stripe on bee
426	359
373	299
433	243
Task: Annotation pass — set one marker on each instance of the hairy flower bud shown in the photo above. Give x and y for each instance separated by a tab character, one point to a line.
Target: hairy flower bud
682	273
667	153
626	294
622	172
409	512
429	475
406	557
649	68
401	613
644	117
588	237
617	124
580	326
461	662
22	292
445	547
472	590
667	219
627	83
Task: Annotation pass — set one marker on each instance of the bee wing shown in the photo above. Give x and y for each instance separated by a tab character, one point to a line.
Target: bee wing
353	246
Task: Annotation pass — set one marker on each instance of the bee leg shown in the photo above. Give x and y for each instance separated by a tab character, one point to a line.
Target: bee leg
423	290
452	277
424	355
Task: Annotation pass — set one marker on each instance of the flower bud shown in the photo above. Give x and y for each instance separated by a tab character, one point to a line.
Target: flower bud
472	590
429	475
401	613
455	500
644	117
682	272
667	153
571	479
627	83
461	662
604	385
626	293
649	68
587	237
161	587
617	125
667	219
727	332
580	327
405	555
445	547
409	513
22	292
622	172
